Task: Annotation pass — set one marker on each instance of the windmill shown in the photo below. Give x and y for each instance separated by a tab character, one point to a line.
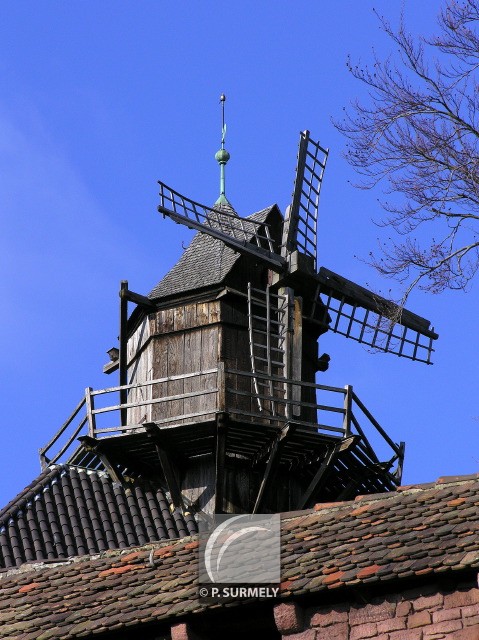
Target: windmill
325	298
218	397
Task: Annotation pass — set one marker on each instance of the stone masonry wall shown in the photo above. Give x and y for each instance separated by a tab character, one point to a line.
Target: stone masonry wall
416	614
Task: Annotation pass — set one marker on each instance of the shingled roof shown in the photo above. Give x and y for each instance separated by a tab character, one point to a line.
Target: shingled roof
71	511
206	262
430	529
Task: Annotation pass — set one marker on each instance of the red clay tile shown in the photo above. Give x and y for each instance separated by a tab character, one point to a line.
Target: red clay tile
456	502
163	551
326	505
329	570
130	557
368	571
117	570
333	577
360	510
284	586
192	545
28	587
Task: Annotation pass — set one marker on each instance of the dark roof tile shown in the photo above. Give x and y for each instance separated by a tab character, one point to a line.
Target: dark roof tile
71	511
206	262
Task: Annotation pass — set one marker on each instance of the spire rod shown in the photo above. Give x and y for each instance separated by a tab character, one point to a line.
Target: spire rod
222	156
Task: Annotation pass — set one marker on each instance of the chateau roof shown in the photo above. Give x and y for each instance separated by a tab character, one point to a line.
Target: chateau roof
423	530
71	511
206	261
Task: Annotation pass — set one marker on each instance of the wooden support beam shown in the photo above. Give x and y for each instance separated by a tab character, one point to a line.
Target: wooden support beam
91	444
272	465
399	470
297	352
221	434
141	301
288	328
123	358
320	475
166	465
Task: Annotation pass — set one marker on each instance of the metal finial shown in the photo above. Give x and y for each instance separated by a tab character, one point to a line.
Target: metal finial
223	126
222	156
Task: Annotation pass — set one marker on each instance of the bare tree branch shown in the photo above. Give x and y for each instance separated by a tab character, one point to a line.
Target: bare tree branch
418	135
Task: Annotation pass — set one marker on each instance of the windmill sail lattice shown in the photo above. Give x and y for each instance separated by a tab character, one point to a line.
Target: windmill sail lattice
300	229
357	313
246	236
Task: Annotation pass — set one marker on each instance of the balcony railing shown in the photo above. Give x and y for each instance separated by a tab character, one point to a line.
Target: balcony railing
330	410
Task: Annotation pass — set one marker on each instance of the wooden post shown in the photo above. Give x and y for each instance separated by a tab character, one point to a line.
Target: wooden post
348	398
220	455
89	412
123	359
166	464
297	350
221	386
288	346
43	460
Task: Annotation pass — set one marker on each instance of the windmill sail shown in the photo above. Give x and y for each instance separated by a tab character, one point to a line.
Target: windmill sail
300	227
246	236
357	313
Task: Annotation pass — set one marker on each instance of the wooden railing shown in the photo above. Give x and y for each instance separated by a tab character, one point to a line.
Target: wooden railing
330	410
86	423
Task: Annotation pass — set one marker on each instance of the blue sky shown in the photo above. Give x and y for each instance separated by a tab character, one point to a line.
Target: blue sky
98	100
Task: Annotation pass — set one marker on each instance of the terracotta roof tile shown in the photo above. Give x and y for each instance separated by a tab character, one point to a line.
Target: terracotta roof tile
124	589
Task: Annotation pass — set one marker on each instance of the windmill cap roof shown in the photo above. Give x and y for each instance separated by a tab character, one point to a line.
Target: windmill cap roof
206	261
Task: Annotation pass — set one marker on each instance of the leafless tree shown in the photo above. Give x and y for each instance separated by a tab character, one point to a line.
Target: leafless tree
418	134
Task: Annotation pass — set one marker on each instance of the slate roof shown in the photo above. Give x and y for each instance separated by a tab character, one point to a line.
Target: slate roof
424	530
206	262
71	511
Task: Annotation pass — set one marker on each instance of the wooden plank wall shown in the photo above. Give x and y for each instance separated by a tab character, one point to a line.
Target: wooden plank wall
236	355
140	368
186	340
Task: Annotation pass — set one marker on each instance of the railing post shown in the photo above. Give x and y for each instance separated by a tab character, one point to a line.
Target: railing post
399	470
90	406
348	398
43	459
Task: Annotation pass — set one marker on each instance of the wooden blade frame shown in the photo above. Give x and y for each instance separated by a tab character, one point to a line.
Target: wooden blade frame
357	313
245	236
300	226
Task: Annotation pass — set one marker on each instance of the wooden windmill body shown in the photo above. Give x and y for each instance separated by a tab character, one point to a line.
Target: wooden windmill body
218	396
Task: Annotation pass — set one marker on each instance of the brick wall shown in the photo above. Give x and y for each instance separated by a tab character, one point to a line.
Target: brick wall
418	614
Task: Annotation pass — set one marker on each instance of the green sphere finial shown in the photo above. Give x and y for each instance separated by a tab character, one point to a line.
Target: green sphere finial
222	156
